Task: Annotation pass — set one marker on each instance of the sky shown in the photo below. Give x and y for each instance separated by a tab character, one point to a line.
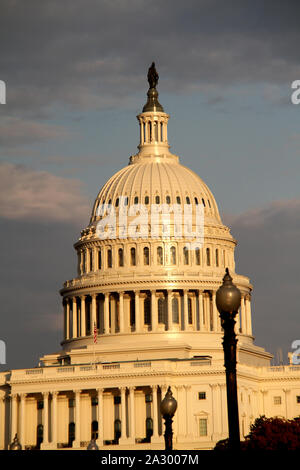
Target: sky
75	75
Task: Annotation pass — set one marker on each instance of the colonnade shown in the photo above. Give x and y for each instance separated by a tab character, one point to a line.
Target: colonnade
148	311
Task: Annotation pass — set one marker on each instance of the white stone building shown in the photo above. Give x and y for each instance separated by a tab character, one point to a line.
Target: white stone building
152	299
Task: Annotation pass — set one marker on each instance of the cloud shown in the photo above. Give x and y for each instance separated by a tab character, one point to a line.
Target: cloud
268	251
40	195
16	132
89	54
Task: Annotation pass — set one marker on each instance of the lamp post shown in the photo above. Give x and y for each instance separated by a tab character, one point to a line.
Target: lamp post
228	300
168	407
92	445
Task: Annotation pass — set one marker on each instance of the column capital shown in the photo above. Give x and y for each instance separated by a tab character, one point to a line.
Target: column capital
123	389
154	387
132	388
83	297
99	391
54	393
45	394
77	392
94	295
23	395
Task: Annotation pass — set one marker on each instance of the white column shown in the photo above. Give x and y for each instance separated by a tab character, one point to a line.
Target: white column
100	417
46	419
189	408
121	311
76	443
83	316
170	319
106	313
54	420
215	312
14	416
185	310
67	318
2	421
137	311
123	413
200	300
22	420
248	316
155	412
74	318
132	414
94	319
243	314
154	310
141	132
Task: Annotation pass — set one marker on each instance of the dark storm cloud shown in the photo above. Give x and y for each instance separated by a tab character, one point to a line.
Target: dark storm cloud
88	53
268	252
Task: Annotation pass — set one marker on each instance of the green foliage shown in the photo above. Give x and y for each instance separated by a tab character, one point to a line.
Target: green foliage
269	434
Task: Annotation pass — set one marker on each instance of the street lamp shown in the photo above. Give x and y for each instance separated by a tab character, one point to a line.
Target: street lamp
168	407
228	300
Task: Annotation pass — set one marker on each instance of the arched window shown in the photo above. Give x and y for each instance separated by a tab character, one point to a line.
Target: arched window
185	255
99	259
159	255
121	257
196	201
132	257
203	202
178	200
94	430
136	200
146	200
162	131
147	311
209	203
197	255
126	201
109	258
217	257
117	202
149	428
208	256
146	256
83	261
117	429
173	255
190	311
175	310
168	200
187	200
157	199
161	310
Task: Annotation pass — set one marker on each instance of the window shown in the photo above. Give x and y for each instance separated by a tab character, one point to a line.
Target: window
187	200
185	255
157	199
159	255
40	405
190	311
197	256
91	260
132	257
147	311
99	259
298	398
146	256
117	202
202	395
168	200
203	202
146	200
83	262
203	427
178	200
196	201
277	400
217	257
175	310
207	256
117	400
121	257
173	255
136	200
161	310
109	258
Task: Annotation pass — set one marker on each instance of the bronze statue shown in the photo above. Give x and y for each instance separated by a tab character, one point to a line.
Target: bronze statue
152	76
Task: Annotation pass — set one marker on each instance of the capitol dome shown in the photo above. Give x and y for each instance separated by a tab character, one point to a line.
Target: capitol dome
144	284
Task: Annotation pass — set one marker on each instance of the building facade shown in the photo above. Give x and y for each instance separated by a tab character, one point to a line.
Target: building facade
141	316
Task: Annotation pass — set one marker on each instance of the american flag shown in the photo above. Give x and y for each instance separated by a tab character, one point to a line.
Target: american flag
95	333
